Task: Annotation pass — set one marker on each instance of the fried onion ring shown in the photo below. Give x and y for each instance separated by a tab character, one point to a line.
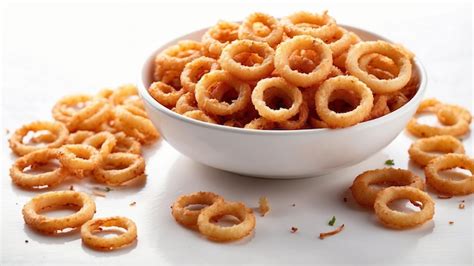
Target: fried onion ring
126	144
380	47
346	119
57	199
119	168
401	220
260	123
78	137
421	150
319	73
450	186
79	157
341	41
194	70
103	141
214	106
285	89
218	37
165	94
306	23
112	243
219	233
134	123
187	102
189	217
58	130
28	180
365	193
243	72
272	35
200	115
300	121
178	55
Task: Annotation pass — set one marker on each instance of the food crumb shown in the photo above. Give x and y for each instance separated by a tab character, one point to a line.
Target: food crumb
330	233
293	229
71	188
345	199
461	206
293	205
133	203
7	131
26	241
99	193
444	196
451	222
263	206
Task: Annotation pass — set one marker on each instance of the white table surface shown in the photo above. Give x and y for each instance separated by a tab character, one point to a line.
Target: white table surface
52	50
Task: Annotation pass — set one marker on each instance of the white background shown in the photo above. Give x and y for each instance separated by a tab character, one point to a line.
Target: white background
50	50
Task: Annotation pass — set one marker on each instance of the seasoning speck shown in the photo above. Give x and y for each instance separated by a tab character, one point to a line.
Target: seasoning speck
133	203
461	206
26	241
451	222
293	229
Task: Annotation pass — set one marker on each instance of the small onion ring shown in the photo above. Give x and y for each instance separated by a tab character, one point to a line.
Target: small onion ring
187	102
188	217
91	116
318	74
300	121
286	89
243	72
260	123
63	109
450	186
200	115
316	25
218	37
341	41
119	168
134	123
401	220
103	141
78	137
112	243
194	70
214	106
353	117
365	194
27	180
379	85
247	30
126	144
58	130
79	157
165	94
55	199
421	150
178	55
219	233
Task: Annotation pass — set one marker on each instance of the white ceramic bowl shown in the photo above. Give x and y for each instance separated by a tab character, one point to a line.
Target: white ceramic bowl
276	153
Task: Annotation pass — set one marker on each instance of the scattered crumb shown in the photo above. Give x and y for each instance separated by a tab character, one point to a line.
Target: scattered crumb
16	203
451	222
461	206
7	131
26	241
263	206
463	201
444	196
104	189
71	188
330	233
293	229
345	199
133	203
293	205
99	193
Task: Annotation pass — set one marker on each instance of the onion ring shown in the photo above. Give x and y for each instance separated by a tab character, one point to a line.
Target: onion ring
57	129
318	74
286	90
260	123
401	220
200	115
78	137
214	106
305	23
27	180
178	55
194	70
56	199
365	194
134	123
64	109
450	186
379	85
243	72
188	217
119	168
218	37
165	94
103	141
247	29
112	243
346	119
341	41
421	150
126	144
187	102
219	233
300	121
79	157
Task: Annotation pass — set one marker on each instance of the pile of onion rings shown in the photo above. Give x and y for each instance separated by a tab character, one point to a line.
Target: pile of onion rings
213	207
277	60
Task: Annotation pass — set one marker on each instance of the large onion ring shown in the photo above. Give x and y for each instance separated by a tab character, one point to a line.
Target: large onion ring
306	23
421	150
350	118
219	233
243	72
319	73
401	220
27	180
218	37
119	168
286	90
379	85
79	157
214	106
188	217
364	193
58	130
112	243
248	31
450	186
57	199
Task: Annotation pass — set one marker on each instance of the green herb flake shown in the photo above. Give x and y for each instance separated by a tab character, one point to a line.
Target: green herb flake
332	221
389	162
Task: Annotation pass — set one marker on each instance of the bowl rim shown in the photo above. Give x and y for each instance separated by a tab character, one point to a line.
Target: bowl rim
143	92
